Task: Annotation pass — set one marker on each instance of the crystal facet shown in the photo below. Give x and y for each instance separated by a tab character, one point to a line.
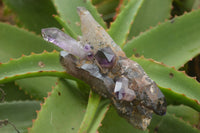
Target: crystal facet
105	57
63	53
92	69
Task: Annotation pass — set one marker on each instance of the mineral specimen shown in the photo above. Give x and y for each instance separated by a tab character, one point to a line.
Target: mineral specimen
97	60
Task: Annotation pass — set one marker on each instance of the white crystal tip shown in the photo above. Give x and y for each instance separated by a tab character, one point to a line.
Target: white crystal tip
47	33
63	54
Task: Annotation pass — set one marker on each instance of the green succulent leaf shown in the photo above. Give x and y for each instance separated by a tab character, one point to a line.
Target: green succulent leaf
94	114
62	111
66	27
37	87
178	82
99	116
31	66
136	17
93	103
183	6
122	4
175	98
150	14
196	4
113	123
22	42
34	15
19	113
184	112
107	9
34	66
170	124
94	2
120	27
14	42
173	42
68	7
13	92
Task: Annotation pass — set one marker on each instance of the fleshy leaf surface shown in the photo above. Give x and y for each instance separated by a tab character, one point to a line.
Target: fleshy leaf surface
37	87
150	13
29	65
62	111
19	113
94	2
120	27
184	112
34	15
173	42
13	92
161	124
66	27
15	41
99	116
33	66
68	7
196	4
107	9
93	103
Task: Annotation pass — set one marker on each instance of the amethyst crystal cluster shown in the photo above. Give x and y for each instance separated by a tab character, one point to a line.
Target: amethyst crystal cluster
98	61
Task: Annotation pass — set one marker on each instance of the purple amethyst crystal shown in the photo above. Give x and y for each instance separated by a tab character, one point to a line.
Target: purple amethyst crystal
105	57
88	49
122	91
64	41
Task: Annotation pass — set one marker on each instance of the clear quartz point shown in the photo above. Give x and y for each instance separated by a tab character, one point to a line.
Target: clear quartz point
62	40
122	91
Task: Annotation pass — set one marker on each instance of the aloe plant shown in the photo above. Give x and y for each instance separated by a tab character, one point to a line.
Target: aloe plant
42	97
